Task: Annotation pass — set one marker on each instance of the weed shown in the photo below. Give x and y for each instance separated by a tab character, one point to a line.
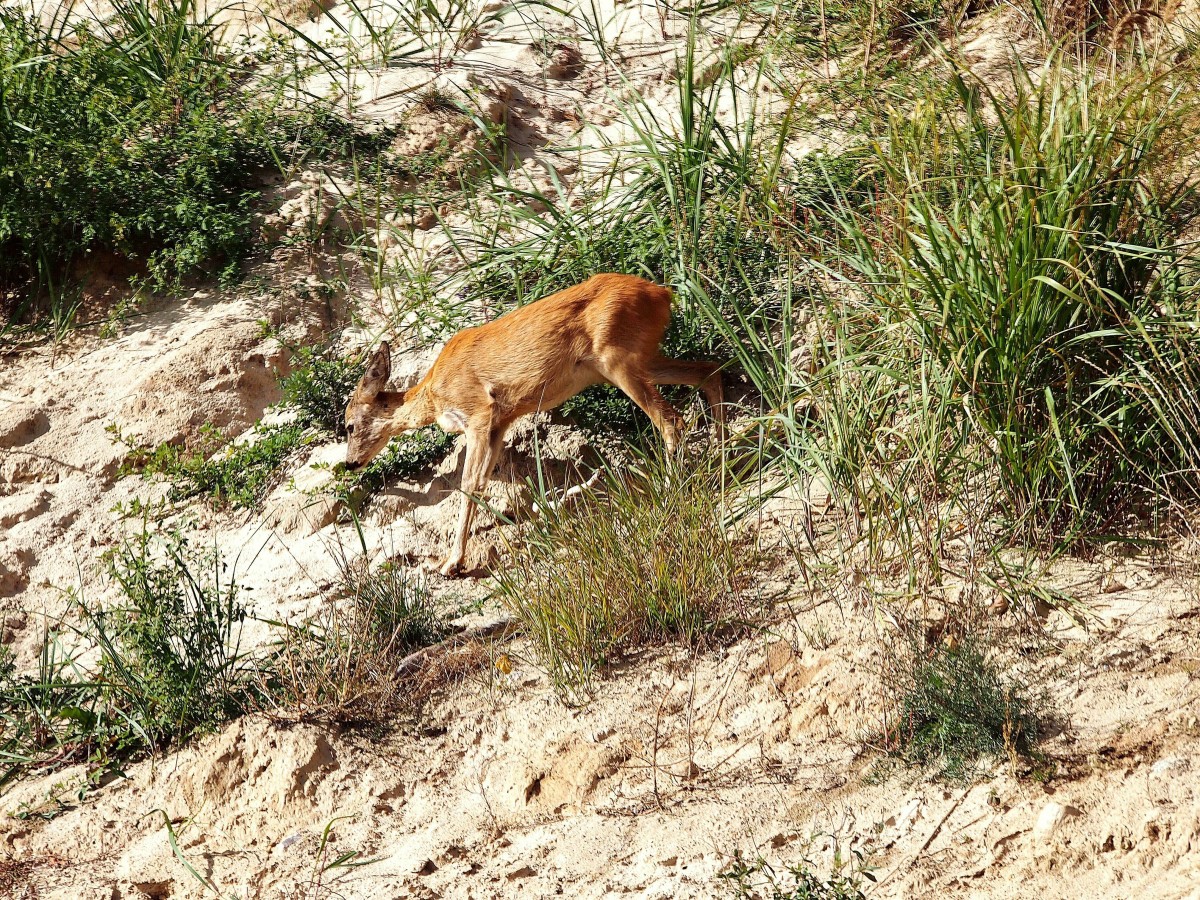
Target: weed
167	664
760	880
644	561
174	647
953	707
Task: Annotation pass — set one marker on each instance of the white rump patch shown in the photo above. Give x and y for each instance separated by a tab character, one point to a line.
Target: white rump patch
453	420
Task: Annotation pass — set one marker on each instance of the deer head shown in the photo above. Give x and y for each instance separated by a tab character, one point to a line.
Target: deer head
375	415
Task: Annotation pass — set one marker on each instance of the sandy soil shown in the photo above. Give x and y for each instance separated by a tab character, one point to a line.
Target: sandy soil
498	789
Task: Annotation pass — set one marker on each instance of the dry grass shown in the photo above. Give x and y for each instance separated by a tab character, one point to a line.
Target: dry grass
646	559
342	663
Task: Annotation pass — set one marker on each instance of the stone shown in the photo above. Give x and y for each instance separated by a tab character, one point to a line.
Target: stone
1051	819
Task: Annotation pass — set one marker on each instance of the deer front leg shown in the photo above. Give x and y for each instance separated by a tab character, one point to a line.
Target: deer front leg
480	457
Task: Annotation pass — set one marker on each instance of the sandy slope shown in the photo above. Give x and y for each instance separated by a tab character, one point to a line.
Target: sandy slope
499	789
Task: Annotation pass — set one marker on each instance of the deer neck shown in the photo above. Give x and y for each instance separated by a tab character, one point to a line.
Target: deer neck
408	410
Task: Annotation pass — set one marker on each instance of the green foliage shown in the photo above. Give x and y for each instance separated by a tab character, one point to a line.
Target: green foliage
402	458
167	664
319	388
317	131
1044	293
643	561
953	707
240	475
759	881
128	135
55	713
174	645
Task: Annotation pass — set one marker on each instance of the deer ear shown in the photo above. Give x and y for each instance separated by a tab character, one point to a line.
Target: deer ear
379	370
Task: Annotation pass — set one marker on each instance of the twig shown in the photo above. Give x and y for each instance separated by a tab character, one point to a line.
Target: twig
502	629
929	840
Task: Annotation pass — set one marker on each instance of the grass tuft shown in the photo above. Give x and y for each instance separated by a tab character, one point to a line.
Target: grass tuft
646	560
341	664
166	664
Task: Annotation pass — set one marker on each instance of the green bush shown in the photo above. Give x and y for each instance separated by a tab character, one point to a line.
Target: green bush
403	457
128	135
168	664
953	706
174	646
319	388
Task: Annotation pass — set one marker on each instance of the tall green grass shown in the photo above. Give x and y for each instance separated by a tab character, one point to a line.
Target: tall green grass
1041	296
1000	330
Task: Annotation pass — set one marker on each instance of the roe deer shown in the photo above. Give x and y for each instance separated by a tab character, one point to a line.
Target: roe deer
607	329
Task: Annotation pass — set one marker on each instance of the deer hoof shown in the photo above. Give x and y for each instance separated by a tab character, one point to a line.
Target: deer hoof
451	567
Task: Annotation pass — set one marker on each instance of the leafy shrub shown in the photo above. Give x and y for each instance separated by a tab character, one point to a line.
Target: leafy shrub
953	706
174	648
644	561
403	457
128	135
319	387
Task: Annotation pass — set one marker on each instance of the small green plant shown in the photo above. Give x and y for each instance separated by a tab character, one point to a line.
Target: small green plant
646	560
953	706
240	475
319	387
760	881
174	647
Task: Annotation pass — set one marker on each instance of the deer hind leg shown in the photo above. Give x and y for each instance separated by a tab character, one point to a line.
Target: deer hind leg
483	447
639	387
705	375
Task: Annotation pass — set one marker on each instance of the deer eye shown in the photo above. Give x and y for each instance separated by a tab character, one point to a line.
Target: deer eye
349	429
